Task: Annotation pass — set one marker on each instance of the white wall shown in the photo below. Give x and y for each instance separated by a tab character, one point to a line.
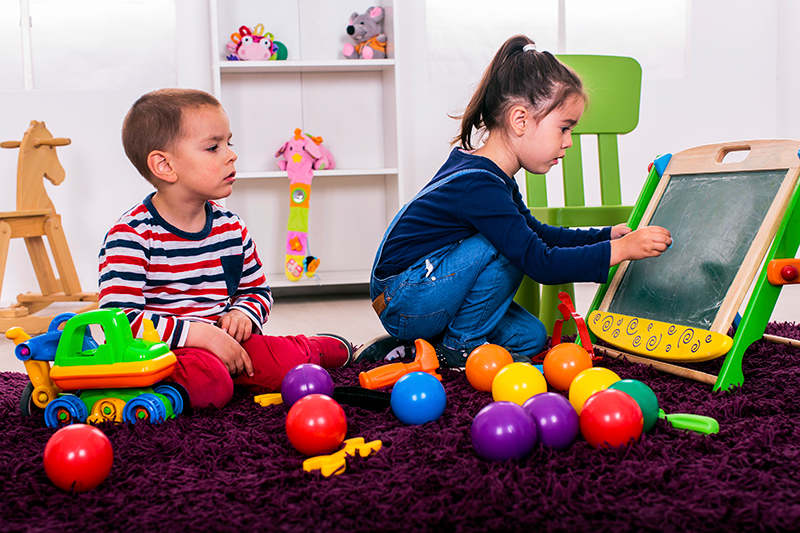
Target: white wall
740	83
730	91
100	182
788	75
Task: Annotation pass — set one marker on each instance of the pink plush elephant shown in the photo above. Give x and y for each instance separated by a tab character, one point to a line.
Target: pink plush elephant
302	155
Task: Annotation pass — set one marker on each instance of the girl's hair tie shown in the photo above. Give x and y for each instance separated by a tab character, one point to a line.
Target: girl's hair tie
529	47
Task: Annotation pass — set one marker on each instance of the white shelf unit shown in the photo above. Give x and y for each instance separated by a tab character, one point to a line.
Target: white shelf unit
351	104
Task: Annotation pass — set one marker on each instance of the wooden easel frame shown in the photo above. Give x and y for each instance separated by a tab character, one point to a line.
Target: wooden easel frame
778	237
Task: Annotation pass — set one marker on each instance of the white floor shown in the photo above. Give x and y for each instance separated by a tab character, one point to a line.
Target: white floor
352	317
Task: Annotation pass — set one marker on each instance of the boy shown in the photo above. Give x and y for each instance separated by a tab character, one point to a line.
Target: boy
189	265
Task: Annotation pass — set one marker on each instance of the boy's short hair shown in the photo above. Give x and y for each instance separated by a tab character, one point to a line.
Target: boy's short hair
154	122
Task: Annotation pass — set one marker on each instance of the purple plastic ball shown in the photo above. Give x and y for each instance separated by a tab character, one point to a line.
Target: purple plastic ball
303	380
503	430
556	421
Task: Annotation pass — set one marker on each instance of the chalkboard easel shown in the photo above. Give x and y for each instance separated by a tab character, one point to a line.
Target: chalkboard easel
728	221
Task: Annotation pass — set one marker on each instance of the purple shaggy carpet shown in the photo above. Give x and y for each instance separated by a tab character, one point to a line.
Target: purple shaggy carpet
234	469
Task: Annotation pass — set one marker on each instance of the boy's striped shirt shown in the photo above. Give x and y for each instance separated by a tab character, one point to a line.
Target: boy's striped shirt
151	269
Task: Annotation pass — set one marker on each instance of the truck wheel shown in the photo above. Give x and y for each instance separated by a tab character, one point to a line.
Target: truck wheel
65	410
177	395
146	407
26	405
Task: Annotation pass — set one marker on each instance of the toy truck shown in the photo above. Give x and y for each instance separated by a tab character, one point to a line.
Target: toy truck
120	380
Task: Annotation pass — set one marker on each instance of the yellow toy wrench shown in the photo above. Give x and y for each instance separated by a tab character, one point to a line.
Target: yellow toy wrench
336	463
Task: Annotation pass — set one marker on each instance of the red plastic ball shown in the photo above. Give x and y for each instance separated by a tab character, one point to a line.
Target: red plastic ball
789	273
316	425
563	362
611	418
78	457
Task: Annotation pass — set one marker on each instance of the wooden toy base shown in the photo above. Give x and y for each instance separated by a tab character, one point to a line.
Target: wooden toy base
22	315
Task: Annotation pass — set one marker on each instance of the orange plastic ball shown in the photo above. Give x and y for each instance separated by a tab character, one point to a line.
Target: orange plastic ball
484	363
563	362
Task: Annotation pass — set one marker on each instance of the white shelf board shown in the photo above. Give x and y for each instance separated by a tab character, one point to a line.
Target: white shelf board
342	277
337	65
272	174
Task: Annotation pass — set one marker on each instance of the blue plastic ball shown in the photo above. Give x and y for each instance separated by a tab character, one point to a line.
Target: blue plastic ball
418	398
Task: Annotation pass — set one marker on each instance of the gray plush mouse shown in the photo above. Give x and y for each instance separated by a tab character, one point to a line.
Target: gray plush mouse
365	30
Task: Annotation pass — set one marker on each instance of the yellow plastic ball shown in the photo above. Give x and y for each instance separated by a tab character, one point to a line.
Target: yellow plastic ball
587	383
517	382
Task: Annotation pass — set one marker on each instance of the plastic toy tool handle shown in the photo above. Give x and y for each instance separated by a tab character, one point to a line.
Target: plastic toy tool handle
698	423
386	375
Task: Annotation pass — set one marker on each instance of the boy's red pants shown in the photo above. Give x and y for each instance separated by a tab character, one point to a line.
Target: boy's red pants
210	385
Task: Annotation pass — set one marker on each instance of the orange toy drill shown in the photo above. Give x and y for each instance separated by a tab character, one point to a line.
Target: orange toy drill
383	376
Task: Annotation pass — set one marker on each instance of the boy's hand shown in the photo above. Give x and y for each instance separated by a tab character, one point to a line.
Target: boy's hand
620	230
218	342
236	324
650	241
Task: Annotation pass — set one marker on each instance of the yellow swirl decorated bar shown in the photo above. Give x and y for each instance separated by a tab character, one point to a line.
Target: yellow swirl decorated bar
658	340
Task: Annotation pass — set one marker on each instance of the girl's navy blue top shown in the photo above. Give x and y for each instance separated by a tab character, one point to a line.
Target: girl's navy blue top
478	203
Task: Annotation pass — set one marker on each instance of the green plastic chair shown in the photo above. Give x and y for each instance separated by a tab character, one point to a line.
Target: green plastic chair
614	85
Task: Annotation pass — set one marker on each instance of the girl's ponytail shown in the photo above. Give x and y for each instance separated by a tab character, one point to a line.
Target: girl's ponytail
518	73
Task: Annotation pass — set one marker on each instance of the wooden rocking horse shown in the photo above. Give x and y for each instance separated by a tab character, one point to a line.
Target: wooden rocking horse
35	218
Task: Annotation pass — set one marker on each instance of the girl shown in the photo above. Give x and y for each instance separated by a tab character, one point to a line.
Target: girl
453	258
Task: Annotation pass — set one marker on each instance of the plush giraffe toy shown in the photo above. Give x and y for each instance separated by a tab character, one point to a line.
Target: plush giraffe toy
301	156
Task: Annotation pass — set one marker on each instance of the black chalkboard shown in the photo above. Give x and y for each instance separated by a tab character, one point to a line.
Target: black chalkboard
713	219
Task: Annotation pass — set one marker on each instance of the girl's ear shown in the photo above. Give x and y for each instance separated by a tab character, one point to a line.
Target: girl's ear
158	163
519	119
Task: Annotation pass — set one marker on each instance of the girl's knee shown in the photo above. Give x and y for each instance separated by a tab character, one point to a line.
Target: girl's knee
527	336
538	335
534	329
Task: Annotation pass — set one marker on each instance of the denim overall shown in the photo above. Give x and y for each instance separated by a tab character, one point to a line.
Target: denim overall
463	291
